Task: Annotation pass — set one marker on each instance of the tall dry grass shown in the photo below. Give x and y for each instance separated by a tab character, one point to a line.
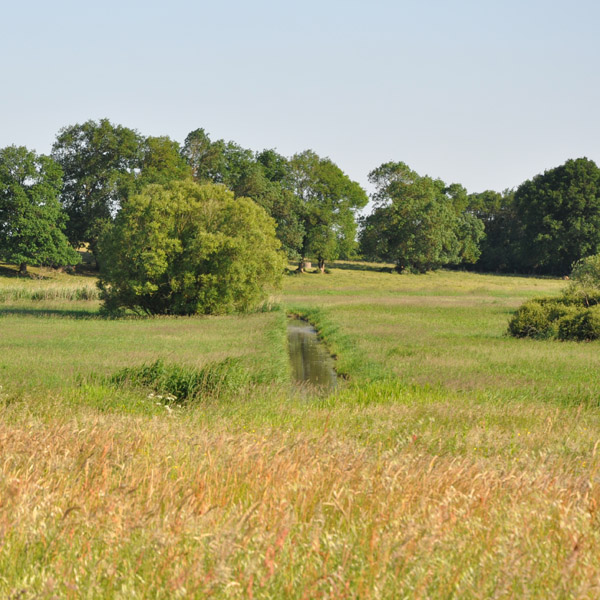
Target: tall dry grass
197	504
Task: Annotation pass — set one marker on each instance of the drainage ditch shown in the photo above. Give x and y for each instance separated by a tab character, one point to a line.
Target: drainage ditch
312	365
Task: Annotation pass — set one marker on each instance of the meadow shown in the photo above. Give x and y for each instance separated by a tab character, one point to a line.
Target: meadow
451	462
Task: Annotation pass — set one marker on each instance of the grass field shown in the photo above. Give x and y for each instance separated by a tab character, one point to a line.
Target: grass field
453	462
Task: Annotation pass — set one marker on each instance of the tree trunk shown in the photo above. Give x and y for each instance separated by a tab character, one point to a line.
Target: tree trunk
322	265
23	269
301	265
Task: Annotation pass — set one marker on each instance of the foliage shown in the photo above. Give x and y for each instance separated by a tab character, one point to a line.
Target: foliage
575	315
261	177
328	200
31	220
99	162
161	162
177	383
537	319
419	223
312	201
265	181
585	279
204	157
567	317
560	215
186	248
580	325
501	247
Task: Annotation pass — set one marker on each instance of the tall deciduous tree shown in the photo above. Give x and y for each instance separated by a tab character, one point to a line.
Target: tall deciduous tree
204	156
560	214
261	177
161	161
419	223
311	199
31	220
100	162
328	200
501	249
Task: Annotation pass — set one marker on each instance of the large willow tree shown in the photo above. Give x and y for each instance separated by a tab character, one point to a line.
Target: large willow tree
186	248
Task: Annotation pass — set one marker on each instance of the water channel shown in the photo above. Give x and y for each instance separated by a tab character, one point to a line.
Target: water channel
311	364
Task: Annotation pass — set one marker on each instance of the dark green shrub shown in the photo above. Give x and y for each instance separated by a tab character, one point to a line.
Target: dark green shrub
532	319
575	315
180	383
576	297
581	324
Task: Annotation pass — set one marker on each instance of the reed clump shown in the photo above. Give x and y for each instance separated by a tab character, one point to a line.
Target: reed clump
179	383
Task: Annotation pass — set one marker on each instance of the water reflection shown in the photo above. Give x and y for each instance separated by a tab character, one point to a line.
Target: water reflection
311	363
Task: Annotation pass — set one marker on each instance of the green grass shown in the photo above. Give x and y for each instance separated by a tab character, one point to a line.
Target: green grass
454	461
448	330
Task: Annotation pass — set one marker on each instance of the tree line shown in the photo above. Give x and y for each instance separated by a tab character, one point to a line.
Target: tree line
51	205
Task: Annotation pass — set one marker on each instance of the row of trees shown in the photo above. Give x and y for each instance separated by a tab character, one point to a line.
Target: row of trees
418	222
544	226
312	201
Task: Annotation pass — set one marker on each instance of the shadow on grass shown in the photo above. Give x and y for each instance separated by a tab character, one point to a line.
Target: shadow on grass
358	266
10	271
80	270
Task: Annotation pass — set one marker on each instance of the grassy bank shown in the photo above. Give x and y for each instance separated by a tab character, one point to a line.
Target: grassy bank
454	462
448	330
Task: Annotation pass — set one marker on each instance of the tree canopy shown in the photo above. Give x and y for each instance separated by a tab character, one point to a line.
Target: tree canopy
186	248
328	201
560	215
99	162
31	220
419	223
311	199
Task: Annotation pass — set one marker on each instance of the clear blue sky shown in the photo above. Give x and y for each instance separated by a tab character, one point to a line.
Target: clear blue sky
486	93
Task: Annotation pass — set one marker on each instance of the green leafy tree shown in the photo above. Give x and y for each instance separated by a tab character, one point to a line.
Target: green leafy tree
204	157
585	280
502	247
265	181
419	223
560	214
261	177
185	248
99	162
161	161
31	219
328	200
